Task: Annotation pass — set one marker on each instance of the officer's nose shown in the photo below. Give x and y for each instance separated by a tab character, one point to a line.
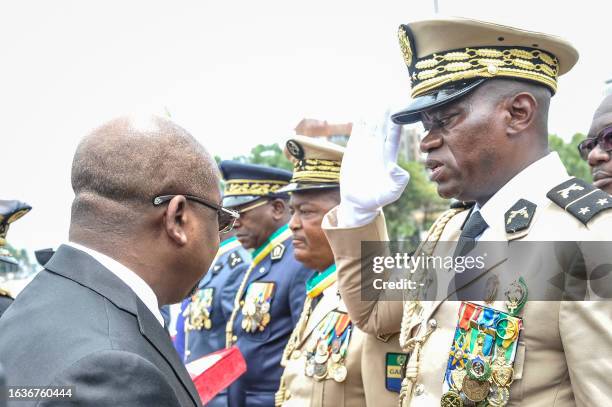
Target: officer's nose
294	222
598	156
431	141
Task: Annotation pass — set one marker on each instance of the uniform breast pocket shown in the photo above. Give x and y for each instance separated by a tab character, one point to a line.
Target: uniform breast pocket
256	310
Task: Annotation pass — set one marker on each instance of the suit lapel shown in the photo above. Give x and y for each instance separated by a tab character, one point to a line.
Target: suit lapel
155	334
85	270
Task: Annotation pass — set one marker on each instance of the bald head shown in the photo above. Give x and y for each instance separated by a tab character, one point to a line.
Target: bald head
602	117
120	166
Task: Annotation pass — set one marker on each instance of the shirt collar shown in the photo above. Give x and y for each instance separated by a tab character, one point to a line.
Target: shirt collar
131	279
531	184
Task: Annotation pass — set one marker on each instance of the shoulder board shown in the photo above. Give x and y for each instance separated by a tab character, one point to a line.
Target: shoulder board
461	205
580	198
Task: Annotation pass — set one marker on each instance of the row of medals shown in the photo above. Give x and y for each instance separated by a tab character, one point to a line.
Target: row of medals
197	317
482	383
255	316
323	362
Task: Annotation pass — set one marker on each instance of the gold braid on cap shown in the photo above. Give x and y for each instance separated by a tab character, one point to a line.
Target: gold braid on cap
439	69
252	187
314	170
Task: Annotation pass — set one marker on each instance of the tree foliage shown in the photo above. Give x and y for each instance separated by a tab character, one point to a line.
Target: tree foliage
418	206
568	153
267	154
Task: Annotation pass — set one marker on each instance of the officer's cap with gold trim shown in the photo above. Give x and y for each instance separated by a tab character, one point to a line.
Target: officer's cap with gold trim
10	211
449	57
316	163
245	183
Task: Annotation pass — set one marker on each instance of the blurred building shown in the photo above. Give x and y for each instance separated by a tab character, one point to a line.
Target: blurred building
340	132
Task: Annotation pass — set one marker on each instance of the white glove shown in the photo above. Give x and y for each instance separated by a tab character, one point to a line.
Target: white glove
370	177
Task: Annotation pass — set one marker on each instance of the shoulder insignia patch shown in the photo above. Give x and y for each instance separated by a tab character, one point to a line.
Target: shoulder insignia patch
277	252
580	198
519	216
234	259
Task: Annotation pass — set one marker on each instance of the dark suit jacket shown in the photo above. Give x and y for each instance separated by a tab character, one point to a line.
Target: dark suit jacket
77	324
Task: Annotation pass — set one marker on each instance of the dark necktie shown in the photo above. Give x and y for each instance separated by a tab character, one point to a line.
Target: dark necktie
473	228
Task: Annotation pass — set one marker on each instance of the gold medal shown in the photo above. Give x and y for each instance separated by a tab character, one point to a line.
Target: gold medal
499	396
502	373
335	357
339	373
207	324
320	371
265	319
451	399
265	307
458	375
475	390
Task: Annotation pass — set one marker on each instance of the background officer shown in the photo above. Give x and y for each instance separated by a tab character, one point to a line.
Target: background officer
272	291
203	318
598	144
10	211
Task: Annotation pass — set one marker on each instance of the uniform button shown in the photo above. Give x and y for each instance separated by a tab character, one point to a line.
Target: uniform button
433	324
187	353
419	389
234	338
296	354
241	303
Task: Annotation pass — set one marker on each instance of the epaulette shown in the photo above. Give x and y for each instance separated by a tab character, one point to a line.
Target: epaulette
461	204
580	198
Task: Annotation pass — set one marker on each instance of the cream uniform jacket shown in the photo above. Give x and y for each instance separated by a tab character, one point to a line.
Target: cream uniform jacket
564	352
299	390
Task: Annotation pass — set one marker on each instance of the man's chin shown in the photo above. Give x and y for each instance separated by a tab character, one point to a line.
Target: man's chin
300	255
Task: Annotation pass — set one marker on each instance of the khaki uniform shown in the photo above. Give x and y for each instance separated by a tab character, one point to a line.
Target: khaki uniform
302	390
564	348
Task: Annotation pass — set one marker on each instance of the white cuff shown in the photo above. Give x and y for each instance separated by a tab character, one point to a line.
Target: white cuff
349	216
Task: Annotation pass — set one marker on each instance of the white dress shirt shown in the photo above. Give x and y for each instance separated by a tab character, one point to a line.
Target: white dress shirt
531	184
131	279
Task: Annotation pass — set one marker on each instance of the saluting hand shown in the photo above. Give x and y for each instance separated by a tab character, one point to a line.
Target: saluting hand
370	177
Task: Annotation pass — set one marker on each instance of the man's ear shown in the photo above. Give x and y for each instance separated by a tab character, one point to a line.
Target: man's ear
279	207
522	109
175	219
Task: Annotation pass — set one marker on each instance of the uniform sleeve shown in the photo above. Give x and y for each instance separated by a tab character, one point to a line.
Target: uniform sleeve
179	339
297	291
377	316
114	378
586	333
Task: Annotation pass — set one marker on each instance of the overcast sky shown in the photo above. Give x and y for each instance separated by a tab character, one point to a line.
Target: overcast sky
233	73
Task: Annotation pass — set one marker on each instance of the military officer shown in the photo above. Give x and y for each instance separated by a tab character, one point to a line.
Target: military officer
595	150
271	294
324	360
10	211
482	92
203	317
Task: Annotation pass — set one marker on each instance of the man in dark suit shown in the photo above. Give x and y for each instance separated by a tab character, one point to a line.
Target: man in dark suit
143	231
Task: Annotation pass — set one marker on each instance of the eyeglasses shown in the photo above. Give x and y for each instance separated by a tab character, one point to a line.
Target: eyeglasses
603	140
226	217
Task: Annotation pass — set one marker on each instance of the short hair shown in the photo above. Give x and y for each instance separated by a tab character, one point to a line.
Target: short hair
123	164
